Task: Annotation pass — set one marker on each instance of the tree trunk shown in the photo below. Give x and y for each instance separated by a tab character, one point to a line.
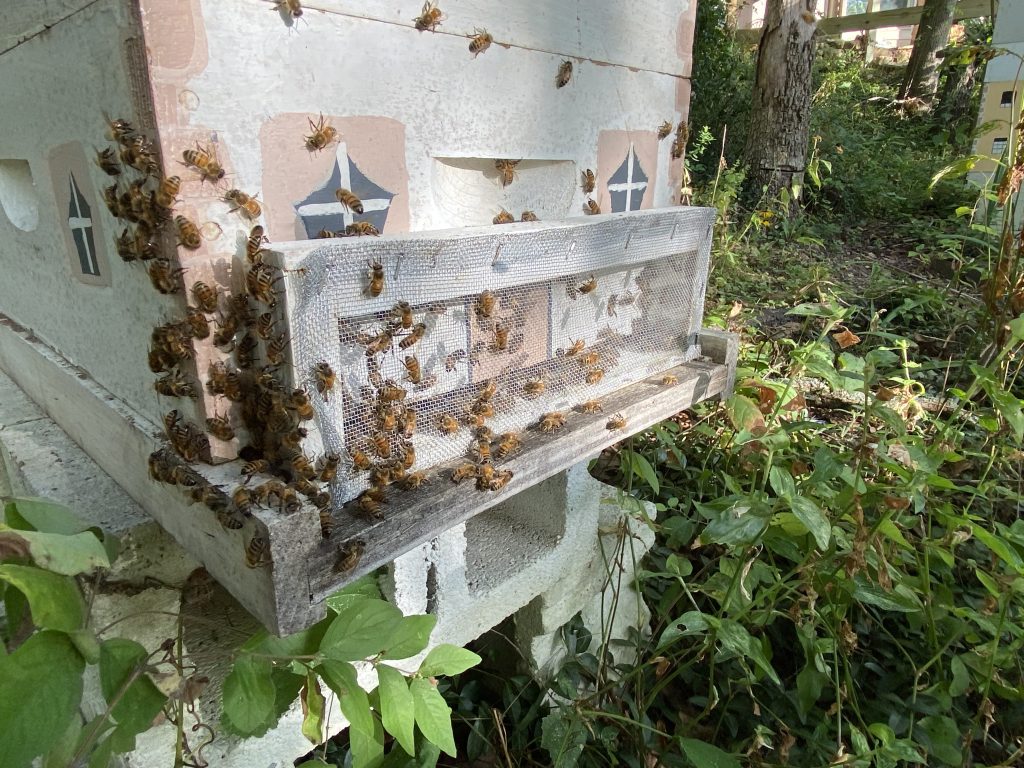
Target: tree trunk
780	118
922	76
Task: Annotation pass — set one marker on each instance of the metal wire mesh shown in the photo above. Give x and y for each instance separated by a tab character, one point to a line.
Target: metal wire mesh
579	309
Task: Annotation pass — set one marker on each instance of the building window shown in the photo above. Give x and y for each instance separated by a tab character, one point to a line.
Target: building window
80	222
1006	100
998	145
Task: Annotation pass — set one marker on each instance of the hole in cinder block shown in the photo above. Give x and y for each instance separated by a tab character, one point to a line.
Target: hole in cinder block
18	197
432	589
515	534
469	189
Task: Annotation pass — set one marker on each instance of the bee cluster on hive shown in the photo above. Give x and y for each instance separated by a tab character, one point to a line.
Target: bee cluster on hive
449	355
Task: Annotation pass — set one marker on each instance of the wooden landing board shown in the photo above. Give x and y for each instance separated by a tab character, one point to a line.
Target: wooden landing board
412	518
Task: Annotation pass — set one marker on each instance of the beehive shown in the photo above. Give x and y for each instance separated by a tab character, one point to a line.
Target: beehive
421	128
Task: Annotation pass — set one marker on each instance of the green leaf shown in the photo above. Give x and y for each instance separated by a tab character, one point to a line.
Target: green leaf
744	414
138	702
563	736
642	468
411	637
249	696
704	755
433	716
446	659
67	555
341	678
960	167
87	644
812	516
809	685
735	637
60	754
397	709
739	525
781	481
364	586
361	630
35	514
313	707
940	735
887	601
40	690
102	754
315	762
367	749
54	600
961	678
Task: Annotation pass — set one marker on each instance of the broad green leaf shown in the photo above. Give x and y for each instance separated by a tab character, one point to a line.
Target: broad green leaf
411	637
139	701
249	696
961	678
361	630
563	736
883	733
956	169
809	685
364	586
812	516
446	659
304	643
313	707
643	469
704	755
102	754
998	546
744	414
781	481
60	754
739	525
940	735
397	710
693	623
87	644
40	690
433	716
35	514
67	555
735	637
315	762
887	601
367	748
54	600
340	677
890	530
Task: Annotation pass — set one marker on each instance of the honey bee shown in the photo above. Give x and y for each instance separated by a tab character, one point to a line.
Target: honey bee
359	459
481	42
414	480
301	466
381	475
504	217
447	424
247	205
534	387
167	191
480	450
482	409
377	344
292	440
257	552
323	134
197	323
291	7
529	216
326	234
174	385
144	244
328	467
161	464
257	467
463	472
594	376
259	281
664	130
125	245
381	445
564	74
359	228
387	420
549	422
408	423
452	360
430	16
110	199
501	337
265	326
403	311
326	520
392	392
575	348
412	369
669	380
204	161
508	443
376	285
485	304
254	244
484	433
323	376
589	286
242	500
118	129
500	480
298	401
137	152
164	277
507	169
106	159
589	359
276	349
349	555
349	200
591	208
369	506
618	421
679	143
414	336
489	390
588	181
188	233
245	351
590	406
220	427
407	454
